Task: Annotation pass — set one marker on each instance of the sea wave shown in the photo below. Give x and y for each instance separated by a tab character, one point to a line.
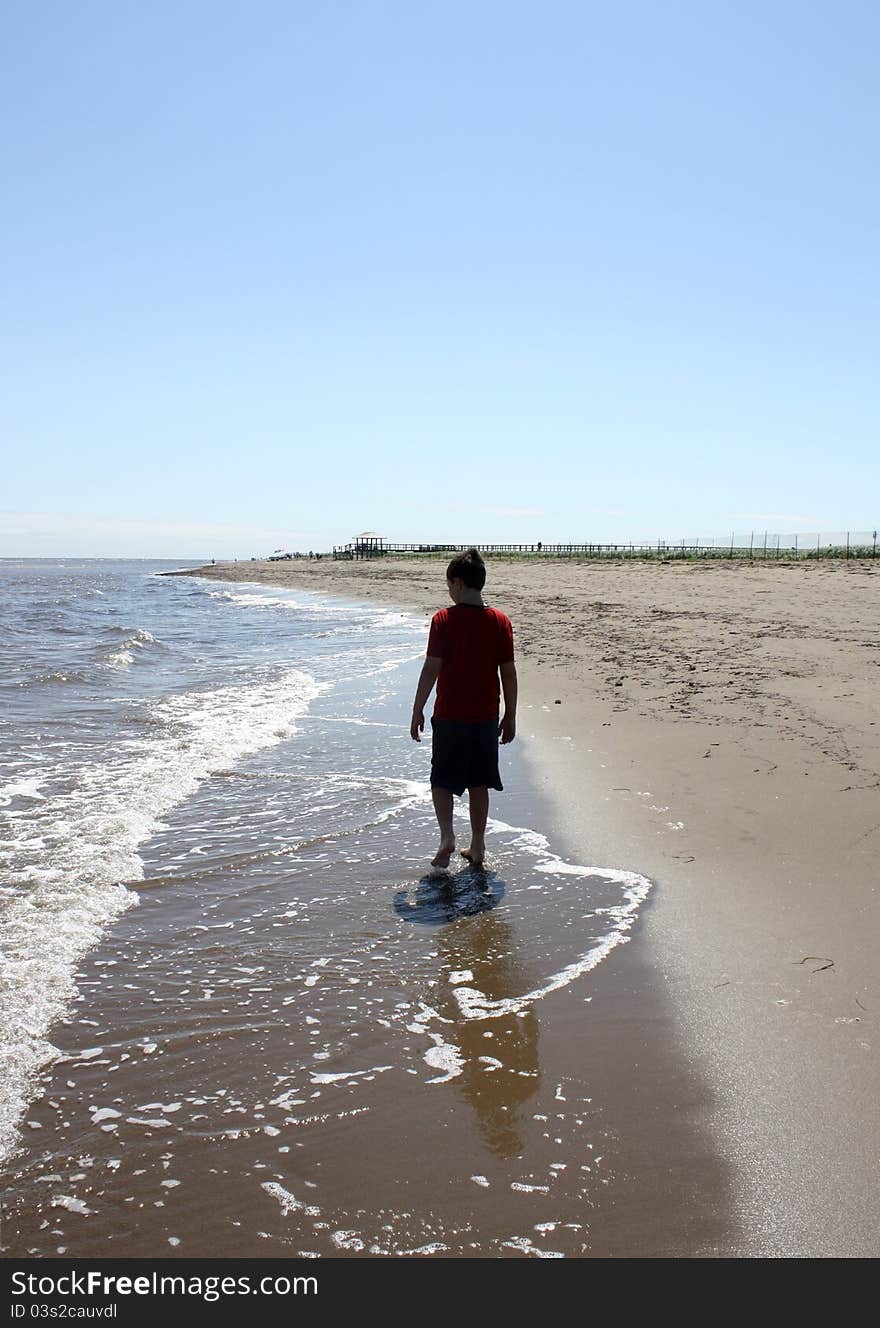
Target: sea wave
71	860
55	677
129	642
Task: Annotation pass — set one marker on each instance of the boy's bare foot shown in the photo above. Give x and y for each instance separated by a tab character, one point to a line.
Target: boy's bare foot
443	854
474	854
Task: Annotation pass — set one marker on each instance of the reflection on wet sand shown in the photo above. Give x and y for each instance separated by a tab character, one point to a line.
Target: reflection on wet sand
500	1069
497	1058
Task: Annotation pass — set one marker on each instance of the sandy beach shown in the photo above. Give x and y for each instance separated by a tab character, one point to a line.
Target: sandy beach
715	727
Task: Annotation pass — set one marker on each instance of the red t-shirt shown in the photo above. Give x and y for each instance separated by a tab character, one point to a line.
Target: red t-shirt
472	640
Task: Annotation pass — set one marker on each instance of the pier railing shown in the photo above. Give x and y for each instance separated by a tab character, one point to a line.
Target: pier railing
754	545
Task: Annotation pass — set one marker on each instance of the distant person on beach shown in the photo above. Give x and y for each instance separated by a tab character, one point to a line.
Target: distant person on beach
468	645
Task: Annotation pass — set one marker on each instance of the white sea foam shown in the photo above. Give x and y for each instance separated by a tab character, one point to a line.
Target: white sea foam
358	616
21	788
347	1240
72	1205
347	1074
289	1203
104	1114
443	1056
526	1246
253	601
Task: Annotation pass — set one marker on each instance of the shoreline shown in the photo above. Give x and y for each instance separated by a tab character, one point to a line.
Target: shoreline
715	731
228	1083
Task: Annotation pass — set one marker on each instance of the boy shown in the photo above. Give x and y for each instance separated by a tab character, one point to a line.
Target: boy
467	646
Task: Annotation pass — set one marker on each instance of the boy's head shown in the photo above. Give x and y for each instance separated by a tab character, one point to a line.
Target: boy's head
468	568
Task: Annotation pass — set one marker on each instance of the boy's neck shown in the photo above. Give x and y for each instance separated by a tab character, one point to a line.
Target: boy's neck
469	596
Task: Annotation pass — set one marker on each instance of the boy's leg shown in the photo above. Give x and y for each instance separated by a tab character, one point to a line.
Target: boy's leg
479	809
443	811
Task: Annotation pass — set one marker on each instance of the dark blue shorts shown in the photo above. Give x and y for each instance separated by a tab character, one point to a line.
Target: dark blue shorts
464	755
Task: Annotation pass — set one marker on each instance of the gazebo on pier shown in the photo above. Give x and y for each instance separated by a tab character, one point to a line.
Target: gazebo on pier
367	545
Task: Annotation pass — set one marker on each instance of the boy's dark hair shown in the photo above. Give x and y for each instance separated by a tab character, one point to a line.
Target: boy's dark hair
470	567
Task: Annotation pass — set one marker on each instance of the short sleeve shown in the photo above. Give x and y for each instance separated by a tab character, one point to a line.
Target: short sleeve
437	636
505	639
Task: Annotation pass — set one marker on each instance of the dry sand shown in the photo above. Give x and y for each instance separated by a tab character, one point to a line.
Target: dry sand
715	726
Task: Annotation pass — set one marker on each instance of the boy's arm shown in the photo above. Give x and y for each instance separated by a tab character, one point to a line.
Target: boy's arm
507	727
427	678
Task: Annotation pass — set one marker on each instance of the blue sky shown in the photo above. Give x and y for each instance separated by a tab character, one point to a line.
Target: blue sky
275	273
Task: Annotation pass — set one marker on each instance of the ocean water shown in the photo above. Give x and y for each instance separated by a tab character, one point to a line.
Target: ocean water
230	982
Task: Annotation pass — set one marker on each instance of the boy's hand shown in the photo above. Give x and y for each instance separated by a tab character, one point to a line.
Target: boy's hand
507	728
427	678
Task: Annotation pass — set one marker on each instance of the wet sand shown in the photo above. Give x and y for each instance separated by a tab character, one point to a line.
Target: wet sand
267	1056
715	727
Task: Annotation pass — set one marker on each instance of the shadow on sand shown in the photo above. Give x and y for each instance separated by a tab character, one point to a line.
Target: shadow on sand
444	896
